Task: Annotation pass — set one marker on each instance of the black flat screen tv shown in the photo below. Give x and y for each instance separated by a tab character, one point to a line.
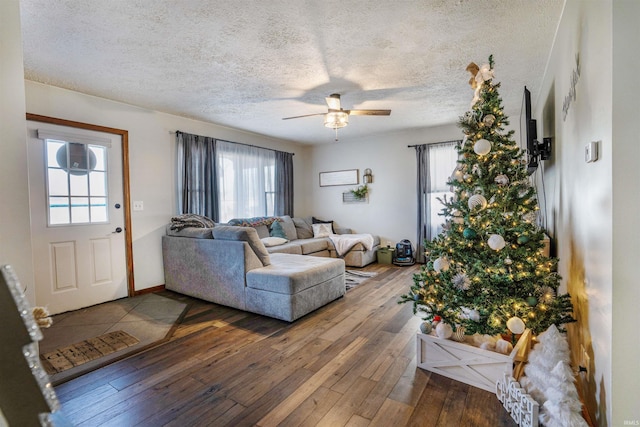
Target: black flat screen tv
528	130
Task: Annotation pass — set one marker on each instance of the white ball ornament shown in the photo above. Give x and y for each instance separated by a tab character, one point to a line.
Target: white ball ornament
441	264
516	325
457	175
444	330
496	242
482	147
501	180
489	119
477	201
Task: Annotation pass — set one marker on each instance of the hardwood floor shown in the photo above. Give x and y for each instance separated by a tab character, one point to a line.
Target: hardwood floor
351	363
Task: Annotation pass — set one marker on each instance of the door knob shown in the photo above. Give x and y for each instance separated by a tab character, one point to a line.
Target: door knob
118	230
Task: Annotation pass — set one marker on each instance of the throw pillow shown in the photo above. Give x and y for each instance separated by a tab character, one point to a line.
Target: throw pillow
277	230
303	228
315	220
273	241
322	230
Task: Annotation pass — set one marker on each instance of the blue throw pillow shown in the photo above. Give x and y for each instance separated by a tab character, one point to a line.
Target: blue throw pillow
277	230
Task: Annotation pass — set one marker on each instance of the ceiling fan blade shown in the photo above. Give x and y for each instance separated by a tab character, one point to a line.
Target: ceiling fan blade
369	112
333	101
306	115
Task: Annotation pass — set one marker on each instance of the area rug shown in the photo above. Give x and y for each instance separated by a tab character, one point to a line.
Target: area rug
64	358
353	278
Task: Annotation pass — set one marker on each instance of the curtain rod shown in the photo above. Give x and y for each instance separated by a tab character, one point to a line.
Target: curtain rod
435	143
239	143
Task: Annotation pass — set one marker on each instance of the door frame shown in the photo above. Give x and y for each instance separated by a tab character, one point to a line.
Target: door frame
124	135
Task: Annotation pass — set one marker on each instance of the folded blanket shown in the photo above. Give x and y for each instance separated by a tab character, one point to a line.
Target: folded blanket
190	220
345	242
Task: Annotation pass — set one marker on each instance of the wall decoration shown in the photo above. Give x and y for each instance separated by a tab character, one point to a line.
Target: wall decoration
345	177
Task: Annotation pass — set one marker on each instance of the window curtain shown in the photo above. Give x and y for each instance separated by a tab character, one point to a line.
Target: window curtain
284	183
196	175
436	163
245	180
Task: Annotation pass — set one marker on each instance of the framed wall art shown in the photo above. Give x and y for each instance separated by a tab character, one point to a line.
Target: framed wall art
345	177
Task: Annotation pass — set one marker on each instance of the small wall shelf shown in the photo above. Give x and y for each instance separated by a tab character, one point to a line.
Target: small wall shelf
349	197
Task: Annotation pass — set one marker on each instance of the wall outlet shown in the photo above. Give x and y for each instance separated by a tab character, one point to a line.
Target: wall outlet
138	205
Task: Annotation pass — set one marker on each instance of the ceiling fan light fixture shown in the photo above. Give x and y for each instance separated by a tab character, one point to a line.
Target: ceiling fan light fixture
336	119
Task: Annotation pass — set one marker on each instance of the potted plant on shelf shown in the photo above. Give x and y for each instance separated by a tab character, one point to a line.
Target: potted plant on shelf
360	192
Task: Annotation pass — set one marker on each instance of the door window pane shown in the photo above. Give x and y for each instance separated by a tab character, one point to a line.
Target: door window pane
76	183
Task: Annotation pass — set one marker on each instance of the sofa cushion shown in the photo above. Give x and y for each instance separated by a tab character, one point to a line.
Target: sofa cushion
289	227
289	274
303	227
287	248
246	234
310	246
252	222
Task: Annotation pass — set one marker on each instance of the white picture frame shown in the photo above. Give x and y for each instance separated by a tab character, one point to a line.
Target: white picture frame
343	177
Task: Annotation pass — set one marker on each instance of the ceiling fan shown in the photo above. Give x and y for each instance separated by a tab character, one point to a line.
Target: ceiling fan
337	117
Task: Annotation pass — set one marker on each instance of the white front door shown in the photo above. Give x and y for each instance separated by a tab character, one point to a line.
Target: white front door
77	216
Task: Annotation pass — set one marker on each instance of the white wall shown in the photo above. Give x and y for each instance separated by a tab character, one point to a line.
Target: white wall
152	161
591	206
15	243
625	386
391	210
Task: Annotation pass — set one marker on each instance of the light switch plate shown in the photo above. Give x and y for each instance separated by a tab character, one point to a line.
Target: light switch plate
138	205
591	151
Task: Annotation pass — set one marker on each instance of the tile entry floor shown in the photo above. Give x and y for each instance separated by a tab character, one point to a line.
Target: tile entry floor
147	317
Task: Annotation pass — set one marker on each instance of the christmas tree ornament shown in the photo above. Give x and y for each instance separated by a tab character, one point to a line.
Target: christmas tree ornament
457	217
425	327
482	147
458	335
516	325
477	201
489	119
496	242
462	282
457	175
469	233
467	176
508	261
441	264
532	301
436	321
501	180
547	294
523	239
503	346
476	170
444	330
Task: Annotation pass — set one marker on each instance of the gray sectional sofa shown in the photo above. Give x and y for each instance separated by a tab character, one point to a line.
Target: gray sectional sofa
230	265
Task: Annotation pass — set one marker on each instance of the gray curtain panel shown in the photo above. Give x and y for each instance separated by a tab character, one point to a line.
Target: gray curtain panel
435	164
422	157
197	182
284	184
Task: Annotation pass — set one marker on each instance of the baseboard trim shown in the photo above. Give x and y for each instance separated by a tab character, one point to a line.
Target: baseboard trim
149	290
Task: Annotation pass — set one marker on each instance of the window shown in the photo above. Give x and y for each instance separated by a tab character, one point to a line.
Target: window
246	181
76	182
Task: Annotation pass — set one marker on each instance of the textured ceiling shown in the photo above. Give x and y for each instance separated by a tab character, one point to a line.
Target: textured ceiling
247	64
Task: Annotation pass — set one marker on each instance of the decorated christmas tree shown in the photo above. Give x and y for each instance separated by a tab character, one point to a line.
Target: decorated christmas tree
486	271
